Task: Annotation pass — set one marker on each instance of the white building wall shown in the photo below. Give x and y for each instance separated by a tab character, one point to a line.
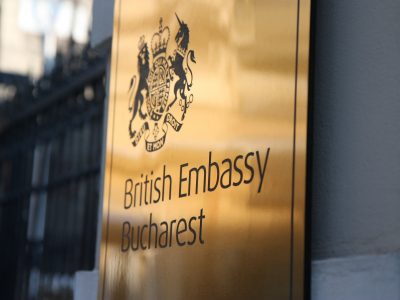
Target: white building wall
356	136
356	146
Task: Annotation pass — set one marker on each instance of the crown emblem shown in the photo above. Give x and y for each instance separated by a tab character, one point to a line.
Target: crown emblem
160	40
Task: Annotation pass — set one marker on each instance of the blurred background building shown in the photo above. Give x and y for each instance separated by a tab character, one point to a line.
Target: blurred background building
20	52
51	116
34	32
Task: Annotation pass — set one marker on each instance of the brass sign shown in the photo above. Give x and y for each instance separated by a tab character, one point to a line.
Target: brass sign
204	185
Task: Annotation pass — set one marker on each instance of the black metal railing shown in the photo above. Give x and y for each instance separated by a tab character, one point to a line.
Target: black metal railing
50	155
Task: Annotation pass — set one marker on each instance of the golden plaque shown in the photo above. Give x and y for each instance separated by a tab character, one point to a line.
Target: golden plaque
204	185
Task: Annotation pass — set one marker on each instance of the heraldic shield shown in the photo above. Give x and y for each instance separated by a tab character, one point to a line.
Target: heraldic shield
151	86
158	88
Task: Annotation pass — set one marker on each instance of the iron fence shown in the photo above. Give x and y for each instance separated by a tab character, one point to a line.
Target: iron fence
50	153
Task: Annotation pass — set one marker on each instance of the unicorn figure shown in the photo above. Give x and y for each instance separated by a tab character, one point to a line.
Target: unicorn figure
177	66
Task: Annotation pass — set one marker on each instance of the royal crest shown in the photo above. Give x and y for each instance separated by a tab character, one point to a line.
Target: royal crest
151	86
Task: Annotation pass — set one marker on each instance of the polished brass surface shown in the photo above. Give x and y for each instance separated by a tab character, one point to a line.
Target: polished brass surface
250	94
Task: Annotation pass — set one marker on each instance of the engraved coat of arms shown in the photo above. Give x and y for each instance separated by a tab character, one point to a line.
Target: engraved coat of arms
150	101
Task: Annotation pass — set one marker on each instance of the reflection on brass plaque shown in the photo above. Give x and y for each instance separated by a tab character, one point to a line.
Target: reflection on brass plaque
204	185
